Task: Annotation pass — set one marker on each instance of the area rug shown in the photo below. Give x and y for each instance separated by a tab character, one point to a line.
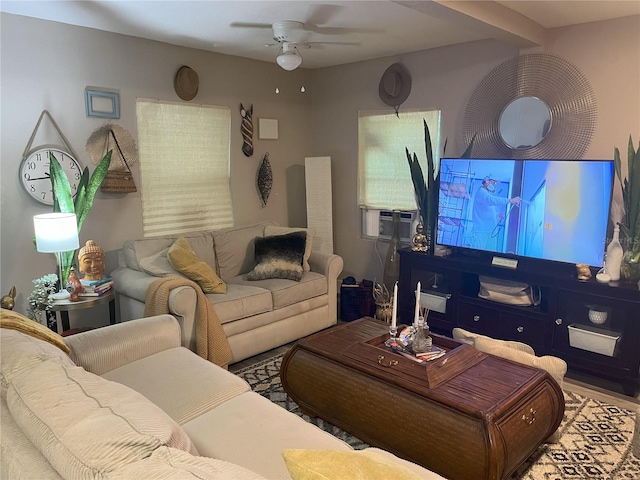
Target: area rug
595	440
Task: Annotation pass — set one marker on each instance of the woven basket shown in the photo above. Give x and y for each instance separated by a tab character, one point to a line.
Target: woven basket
118	181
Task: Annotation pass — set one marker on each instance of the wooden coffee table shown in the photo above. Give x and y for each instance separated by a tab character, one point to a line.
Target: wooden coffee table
466	415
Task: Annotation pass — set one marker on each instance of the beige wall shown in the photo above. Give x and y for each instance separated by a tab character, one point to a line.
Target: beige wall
46	65
607	53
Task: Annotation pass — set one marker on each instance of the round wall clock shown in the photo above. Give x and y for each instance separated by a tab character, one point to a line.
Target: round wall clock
34	172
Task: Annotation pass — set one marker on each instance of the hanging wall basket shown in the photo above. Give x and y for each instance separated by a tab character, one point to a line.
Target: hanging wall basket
119	178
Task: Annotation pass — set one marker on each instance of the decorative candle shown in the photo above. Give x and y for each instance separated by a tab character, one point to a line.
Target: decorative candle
417	312
395	305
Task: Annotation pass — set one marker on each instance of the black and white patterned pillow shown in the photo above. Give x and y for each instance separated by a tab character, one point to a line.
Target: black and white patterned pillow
279	256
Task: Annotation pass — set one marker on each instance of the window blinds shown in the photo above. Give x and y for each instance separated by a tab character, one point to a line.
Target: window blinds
184	167
384	178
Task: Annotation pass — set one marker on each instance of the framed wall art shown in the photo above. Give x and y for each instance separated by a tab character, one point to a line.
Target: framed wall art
268	129
101	103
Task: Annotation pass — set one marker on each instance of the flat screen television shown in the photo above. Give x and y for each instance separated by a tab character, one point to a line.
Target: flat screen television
546	209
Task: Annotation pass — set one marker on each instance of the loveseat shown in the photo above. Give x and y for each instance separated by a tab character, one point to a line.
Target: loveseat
256	315
129	401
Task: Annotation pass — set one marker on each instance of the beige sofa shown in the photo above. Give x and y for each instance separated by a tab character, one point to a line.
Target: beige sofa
256	316
131	402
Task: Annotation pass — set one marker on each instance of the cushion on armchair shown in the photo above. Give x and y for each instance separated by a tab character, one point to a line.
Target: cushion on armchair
87	426
170	463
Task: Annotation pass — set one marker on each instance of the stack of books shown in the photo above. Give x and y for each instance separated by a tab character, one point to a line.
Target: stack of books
95	288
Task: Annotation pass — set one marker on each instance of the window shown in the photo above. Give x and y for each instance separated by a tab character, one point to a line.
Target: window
384	179
184	167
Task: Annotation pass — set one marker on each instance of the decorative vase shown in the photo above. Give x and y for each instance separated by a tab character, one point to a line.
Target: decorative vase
614	256
392	261
46	318
630	266
74	286
421	340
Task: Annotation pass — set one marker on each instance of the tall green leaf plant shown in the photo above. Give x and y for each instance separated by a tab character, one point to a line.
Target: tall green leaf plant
63	201
630	224
427	192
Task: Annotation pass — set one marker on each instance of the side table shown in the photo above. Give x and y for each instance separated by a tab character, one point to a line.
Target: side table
65	306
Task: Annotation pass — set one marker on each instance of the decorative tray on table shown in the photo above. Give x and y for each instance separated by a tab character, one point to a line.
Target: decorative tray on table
457	358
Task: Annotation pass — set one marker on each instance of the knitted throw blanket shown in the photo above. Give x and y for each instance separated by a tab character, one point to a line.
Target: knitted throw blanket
211	341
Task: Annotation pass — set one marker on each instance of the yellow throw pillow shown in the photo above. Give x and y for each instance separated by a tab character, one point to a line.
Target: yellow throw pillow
182	257
16	321
343	465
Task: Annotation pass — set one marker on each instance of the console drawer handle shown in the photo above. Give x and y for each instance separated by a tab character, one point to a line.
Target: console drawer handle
392	363
476	318
520	329
558	321
529	419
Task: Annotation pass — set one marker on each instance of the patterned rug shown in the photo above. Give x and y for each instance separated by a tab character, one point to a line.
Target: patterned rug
595	441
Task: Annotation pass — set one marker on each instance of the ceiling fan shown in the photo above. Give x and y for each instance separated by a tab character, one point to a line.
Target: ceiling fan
291	35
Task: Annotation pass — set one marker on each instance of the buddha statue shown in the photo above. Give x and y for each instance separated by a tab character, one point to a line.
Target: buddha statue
419	242
91	261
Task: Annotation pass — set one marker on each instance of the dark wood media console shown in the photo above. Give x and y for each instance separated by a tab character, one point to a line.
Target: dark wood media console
563	324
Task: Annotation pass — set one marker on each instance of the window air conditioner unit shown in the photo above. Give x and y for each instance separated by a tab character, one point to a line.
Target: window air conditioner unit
407	229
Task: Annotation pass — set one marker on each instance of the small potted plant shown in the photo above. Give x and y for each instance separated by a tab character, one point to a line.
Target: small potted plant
427	192
64	202
40	300
630	222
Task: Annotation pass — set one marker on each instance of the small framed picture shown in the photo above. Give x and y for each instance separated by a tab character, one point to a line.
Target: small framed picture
268	129
101	103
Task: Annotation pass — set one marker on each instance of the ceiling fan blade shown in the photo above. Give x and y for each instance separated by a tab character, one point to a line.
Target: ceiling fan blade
340	30
355	44
250	25
324	14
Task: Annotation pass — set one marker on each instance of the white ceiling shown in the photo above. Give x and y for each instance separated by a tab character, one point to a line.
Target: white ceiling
370	29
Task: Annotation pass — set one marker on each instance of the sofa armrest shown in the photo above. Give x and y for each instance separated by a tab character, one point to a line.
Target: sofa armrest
182	300
105	349
330	265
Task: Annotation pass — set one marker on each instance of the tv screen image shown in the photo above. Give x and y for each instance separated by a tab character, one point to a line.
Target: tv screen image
549	209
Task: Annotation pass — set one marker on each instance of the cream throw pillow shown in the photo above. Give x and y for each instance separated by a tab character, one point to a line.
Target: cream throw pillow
471	338
182	257
343	465
86	425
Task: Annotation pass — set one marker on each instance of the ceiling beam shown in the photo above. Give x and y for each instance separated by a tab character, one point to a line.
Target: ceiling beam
488	17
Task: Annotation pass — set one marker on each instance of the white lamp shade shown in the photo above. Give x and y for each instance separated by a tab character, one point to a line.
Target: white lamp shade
289	60
56	232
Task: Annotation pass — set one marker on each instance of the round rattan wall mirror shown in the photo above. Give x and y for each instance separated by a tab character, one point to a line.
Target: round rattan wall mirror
533	106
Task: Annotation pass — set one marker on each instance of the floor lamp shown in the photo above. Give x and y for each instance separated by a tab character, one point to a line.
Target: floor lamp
56	233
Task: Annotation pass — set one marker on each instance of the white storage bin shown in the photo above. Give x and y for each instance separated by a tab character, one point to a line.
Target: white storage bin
435	302
593	339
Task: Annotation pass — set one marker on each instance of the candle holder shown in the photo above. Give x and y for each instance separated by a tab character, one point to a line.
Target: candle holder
393	332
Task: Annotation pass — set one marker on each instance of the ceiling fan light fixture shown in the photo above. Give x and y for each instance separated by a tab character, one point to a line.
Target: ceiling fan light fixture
289	58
